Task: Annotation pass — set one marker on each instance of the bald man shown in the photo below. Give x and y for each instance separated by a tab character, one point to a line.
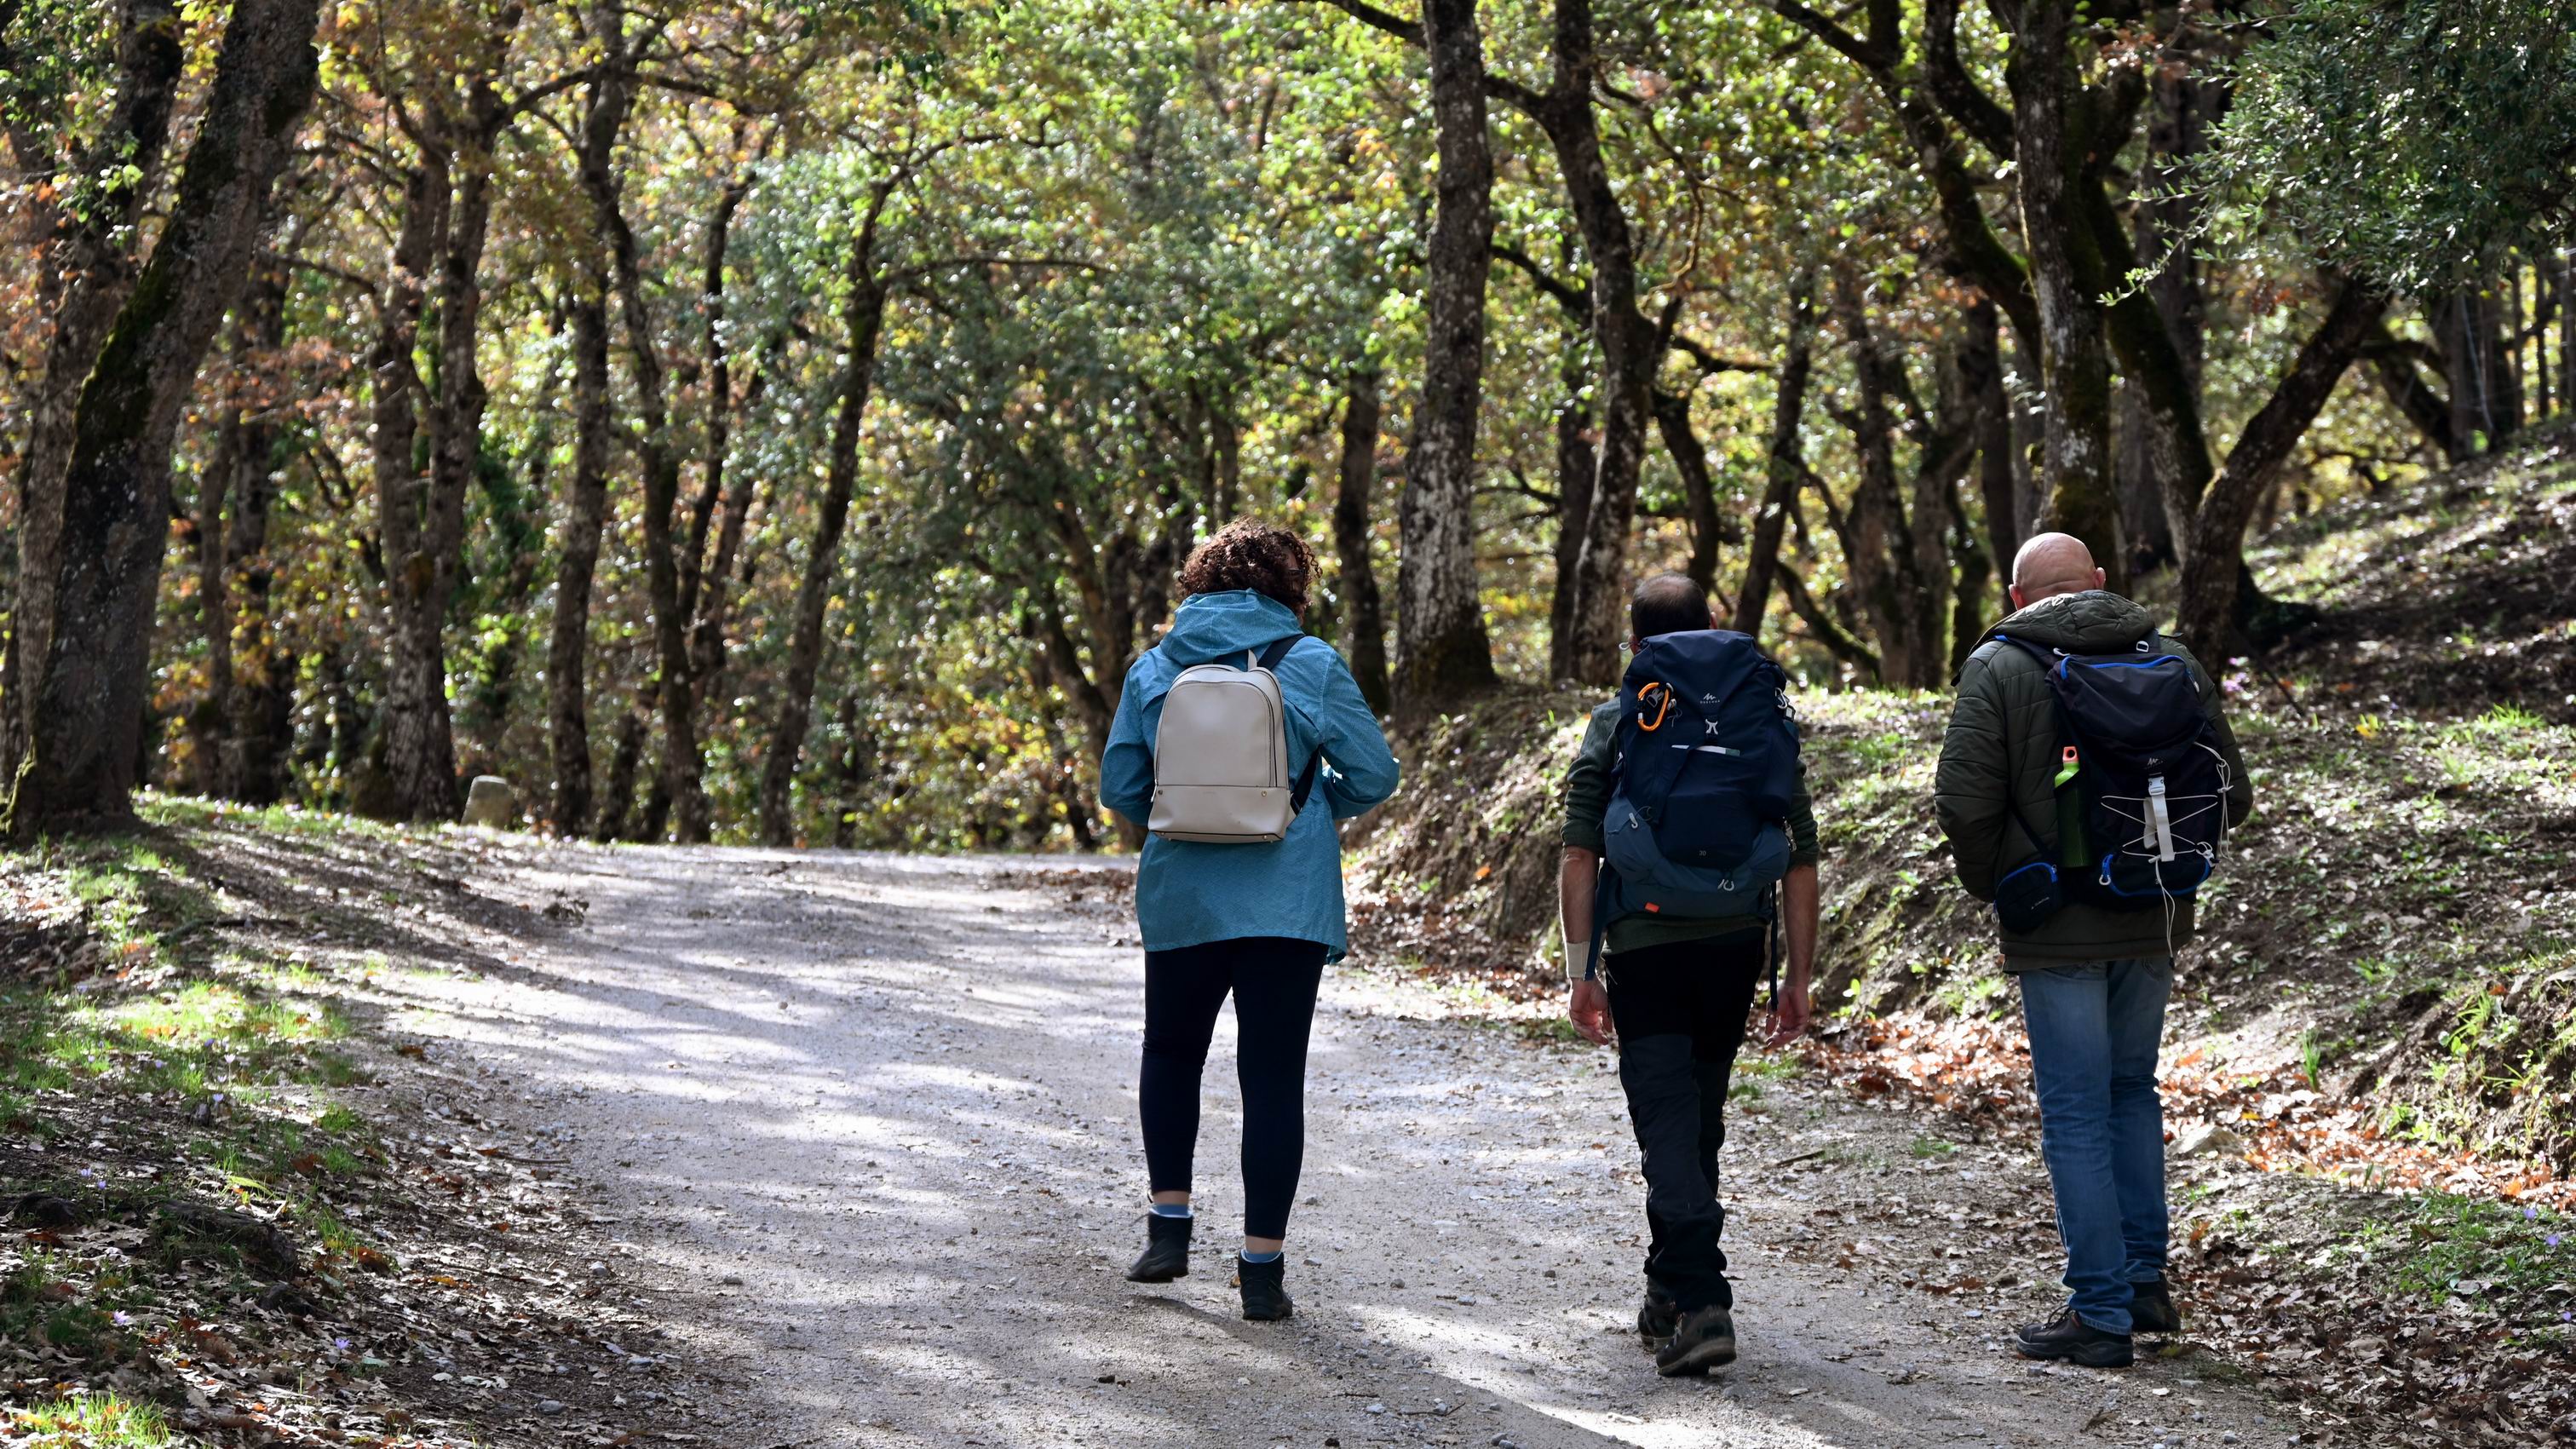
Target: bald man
2093	979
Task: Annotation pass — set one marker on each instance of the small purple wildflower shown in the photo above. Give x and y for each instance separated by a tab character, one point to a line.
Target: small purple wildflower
2551	1240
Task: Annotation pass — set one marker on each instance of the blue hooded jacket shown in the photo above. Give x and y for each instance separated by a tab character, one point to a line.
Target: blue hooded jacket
1189	893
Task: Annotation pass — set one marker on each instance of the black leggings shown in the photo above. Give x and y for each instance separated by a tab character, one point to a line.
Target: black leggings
1274	981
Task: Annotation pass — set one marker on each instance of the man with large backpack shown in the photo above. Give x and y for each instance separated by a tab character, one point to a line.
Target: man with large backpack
2087	784
1689	787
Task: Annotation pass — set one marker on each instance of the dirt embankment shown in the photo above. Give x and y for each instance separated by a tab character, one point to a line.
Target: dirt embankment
2396	925
242	1208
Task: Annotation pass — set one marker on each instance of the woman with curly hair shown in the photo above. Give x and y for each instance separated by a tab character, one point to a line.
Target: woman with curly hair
1258	921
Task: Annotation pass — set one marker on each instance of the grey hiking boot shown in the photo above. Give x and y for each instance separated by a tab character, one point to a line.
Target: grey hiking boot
1704	1339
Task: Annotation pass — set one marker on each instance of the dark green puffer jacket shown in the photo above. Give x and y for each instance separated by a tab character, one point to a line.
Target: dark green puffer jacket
2003	736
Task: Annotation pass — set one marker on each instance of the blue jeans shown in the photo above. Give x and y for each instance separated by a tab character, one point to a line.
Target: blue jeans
2094	1029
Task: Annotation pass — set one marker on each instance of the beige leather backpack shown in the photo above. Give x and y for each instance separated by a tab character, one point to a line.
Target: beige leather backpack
1221	755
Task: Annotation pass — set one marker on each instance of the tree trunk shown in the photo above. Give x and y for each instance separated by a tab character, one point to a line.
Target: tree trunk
849	773
1576	464
862	317
625	760
2075	364
447	217
1225	462
1997	487
83	274
1441	648
239	477
1784	465
1882	546
577	564
2164	461
612	102
1627	341
2567	331
1363	615
706	581
86	706
419	753
1699	491
2541	377
261	727
2486	408
2215	558
1976	569
2393	362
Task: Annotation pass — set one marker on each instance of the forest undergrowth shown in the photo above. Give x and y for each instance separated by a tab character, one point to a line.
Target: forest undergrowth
239	1208
2370	1076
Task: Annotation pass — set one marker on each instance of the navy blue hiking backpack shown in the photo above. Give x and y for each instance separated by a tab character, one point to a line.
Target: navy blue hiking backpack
1704	771
2141	784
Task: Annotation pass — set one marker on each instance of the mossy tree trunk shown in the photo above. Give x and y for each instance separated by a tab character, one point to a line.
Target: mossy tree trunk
1625	341
85	707
83	273
1441	648
2075	365
428	431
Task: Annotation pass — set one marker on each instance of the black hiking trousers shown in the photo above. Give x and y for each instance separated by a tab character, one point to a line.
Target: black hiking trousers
1274	983
1680	1010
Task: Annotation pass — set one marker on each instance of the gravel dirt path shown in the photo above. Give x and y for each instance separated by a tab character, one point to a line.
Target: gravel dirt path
866	1127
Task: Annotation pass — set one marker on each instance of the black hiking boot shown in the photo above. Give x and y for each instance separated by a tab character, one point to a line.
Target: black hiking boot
2070	1338
1167	1250
1658	1316
1703	1339
1265	1289
2151	1309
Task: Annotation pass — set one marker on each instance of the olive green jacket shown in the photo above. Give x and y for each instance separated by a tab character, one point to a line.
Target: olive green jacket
2001	750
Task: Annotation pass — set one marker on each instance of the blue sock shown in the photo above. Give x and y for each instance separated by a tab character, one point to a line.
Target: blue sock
1170	1209
1269	1257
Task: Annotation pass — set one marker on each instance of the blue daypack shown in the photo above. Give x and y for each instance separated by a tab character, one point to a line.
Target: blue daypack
1704	771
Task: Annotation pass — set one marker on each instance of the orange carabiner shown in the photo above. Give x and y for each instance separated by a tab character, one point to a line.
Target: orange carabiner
1661	710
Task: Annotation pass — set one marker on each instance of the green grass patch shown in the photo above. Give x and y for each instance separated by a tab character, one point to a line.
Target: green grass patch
2444	1243
91	1421
192	1040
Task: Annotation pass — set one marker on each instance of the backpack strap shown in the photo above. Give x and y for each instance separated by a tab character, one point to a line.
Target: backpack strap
1600	918
1269	660
2048	660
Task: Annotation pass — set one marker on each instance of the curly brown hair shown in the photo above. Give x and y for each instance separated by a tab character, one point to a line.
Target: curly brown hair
1249	555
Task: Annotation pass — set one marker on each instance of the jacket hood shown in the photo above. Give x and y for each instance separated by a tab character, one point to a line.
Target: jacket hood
2095	621
1209	627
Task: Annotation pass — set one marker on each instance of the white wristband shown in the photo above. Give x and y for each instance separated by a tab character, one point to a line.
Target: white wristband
1577	954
